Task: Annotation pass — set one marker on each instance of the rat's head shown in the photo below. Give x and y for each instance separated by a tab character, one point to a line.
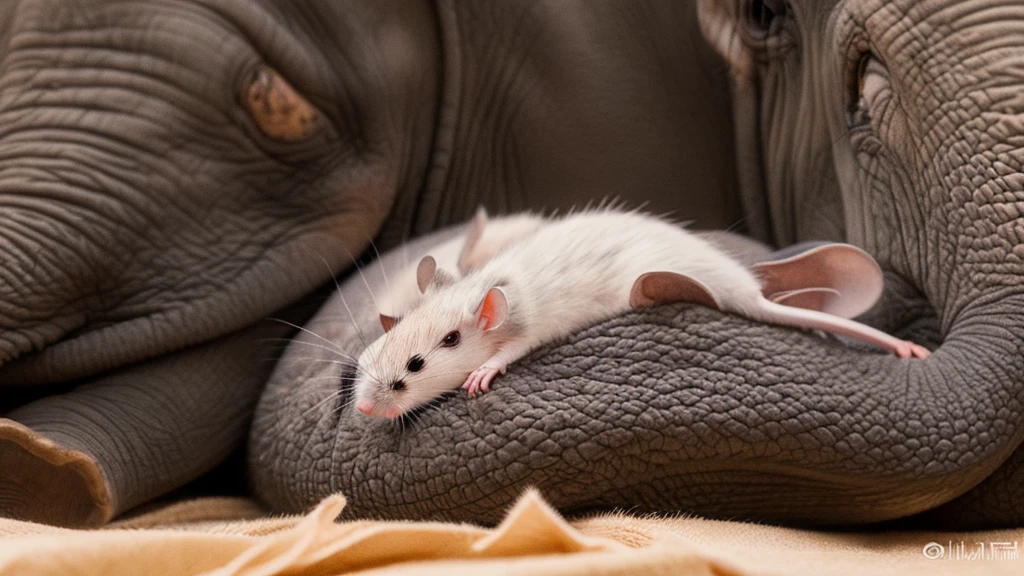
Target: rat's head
433	347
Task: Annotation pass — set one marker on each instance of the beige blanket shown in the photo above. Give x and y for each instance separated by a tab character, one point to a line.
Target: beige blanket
233	536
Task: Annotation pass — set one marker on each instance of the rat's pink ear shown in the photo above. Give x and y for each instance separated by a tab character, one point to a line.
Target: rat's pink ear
476	231
839	279
388	322
493	310
667	287
425	272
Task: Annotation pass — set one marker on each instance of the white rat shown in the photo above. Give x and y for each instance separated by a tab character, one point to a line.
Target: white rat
584	268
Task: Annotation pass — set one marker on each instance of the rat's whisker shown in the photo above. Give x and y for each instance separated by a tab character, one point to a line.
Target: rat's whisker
275	343
286	342
307	331
319	378
352	317
322	347
344	406
442	375
431	408
355	324
329	397
380	262
359	270
430	354
348	364
371	373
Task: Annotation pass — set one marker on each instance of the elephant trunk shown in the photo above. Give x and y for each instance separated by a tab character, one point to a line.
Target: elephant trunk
940	203
44	275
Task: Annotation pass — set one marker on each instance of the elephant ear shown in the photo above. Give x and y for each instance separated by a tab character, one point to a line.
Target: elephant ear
838	279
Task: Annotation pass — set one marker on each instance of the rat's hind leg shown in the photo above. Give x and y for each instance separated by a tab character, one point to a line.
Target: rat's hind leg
479	380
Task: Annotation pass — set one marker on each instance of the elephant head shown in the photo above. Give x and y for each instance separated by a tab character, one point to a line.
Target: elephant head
173	172
170	174
907	118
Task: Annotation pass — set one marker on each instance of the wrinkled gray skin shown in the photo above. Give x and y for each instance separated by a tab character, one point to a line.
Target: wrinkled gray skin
929	170
152	212
896	125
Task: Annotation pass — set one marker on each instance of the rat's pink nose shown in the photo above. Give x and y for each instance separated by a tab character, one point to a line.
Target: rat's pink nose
365	408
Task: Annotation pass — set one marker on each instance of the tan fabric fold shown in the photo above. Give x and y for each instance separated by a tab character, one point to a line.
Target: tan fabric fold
234	537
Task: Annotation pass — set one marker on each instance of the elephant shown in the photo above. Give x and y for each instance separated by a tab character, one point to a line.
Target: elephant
175	174
894	125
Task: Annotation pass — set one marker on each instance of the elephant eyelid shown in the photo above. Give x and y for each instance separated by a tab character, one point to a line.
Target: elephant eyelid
765	27
855	82
762	18
866	89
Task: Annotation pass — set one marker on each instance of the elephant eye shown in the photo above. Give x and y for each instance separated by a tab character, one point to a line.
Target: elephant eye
868	90
760	15
279	111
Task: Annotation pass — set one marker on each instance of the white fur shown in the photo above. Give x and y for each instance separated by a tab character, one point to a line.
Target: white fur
571	273
579	270
497	235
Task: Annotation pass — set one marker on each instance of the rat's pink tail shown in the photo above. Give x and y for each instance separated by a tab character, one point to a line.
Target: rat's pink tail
773	313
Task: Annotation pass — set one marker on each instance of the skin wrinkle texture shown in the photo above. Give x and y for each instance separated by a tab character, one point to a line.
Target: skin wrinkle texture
891	443
222	225
165	219
736	412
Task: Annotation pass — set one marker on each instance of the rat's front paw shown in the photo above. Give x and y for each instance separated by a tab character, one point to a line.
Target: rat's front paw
479	380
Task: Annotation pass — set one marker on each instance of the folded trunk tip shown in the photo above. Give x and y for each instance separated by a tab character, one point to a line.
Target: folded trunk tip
45	483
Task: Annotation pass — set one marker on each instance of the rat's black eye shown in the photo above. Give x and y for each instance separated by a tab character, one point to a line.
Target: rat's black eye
415	363
452	339
398	385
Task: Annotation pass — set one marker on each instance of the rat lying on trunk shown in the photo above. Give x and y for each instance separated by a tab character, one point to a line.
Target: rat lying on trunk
567	274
